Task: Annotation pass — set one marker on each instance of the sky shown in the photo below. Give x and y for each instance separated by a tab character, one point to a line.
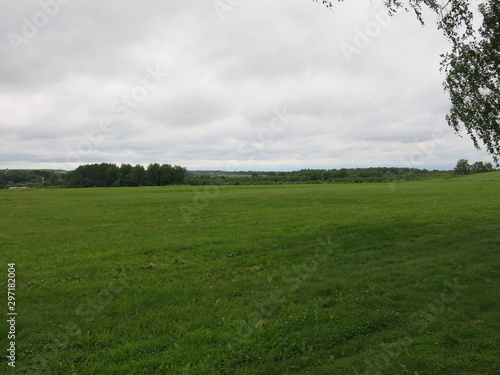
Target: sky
222	85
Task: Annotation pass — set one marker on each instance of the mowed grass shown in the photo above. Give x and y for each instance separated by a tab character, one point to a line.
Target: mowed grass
302	279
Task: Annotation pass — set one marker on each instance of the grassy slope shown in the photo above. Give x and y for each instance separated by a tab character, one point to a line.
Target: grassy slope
300	279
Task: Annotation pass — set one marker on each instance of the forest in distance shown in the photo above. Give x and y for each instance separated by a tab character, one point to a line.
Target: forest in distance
111	175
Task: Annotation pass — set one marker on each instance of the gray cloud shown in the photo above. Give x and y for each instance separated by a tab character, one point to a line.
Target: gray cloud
77	85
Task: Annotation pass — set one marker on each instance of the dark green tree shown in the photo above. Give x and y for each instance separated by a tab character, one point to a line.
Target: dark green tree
55	179
462	167
472	79
111	175
179	174
126	175
138	175
153	174
166	175
480	167
74	179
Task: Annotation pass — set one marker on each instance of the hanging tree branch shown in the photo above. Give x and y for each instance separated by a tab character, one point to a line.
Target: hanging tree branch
471	68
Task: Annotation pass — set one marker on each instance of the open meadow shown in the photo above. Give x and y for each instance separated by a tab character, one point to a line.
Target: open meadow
399	278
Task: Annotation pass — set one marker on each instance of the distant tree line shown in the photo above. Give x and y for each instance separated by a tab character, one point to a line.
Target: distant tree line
23	177
110	175
463	167
311	176
96	175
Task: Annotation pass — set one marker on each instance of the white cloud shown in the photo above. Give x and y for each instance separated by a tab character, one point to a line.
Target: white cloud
227	79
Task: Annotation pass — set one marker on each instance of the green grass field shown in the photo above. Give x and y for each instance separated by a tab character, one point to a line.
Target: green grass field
296	279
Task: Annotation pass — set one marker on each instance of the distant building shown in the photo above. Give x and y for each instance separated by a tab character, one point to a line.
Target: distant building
17	187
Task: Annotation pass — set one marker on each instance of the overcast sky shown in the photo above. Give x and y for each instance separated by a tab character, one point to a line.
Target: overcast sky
226	84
